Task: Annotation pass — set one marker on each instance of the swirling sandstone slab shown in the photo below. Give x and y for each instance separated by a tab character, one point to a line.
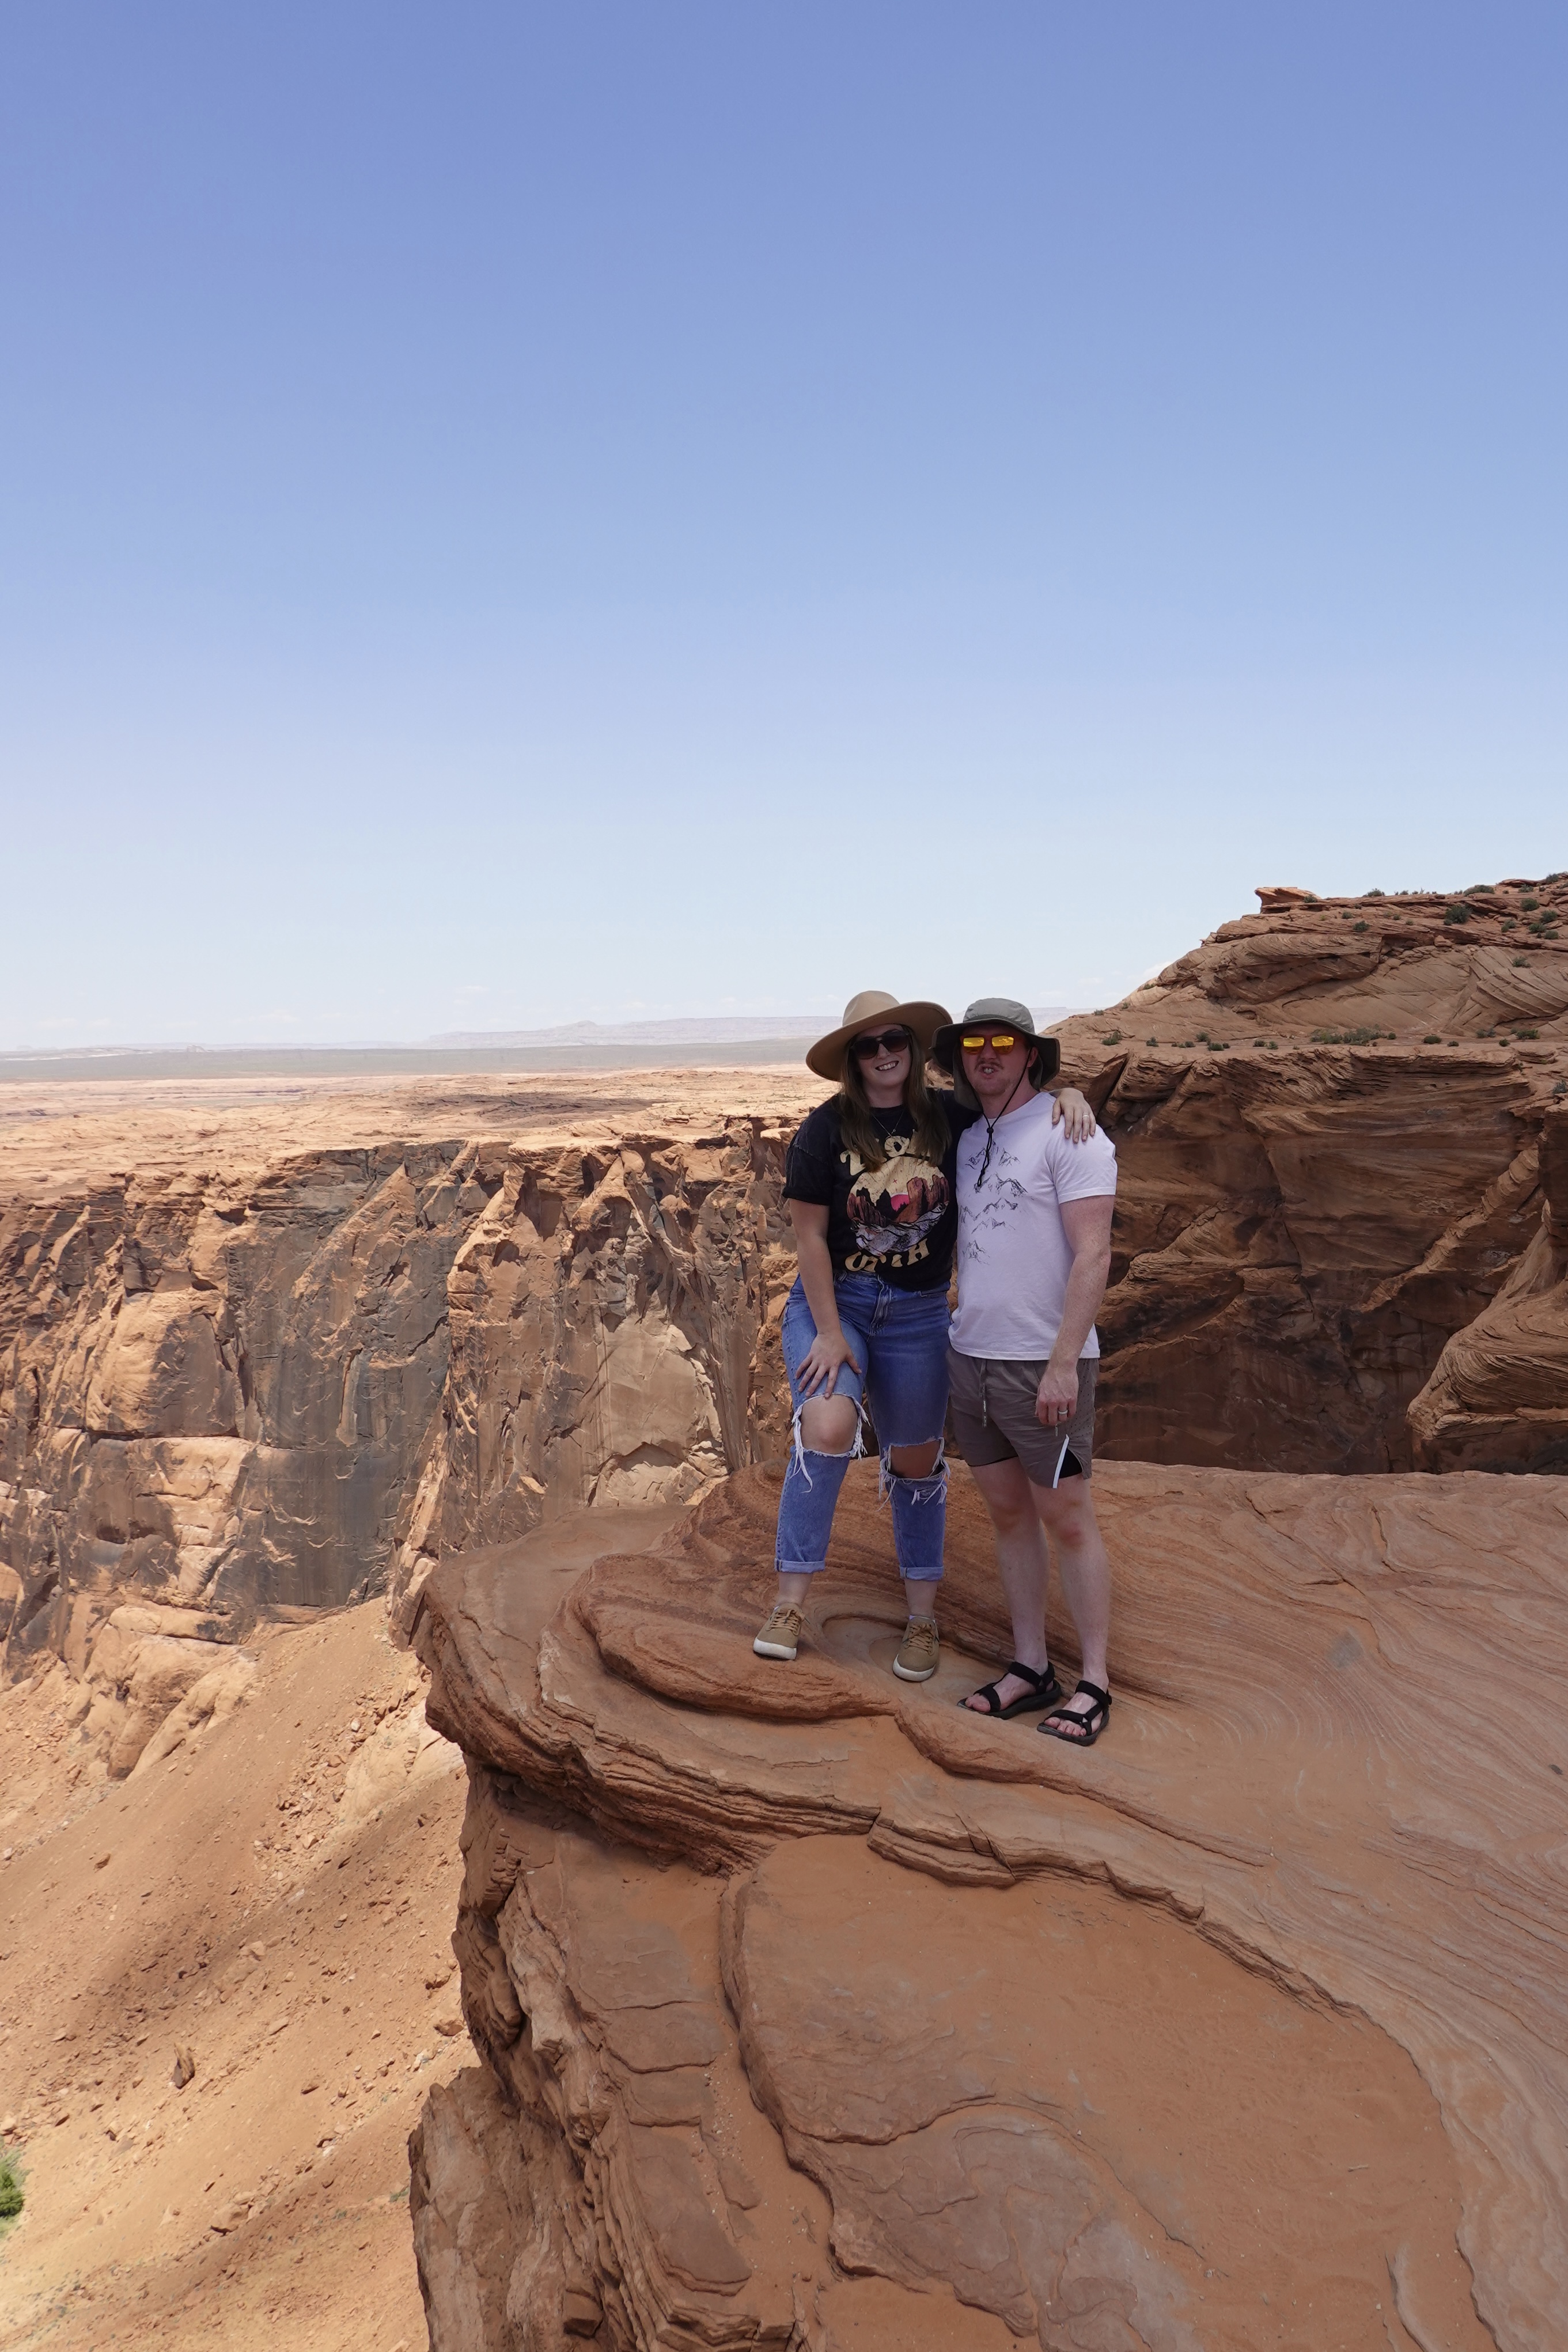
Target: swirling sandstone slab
1245	2027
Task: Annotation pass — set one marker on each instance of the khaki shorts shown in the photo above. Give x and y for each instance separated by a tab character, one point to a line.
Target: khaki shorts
991	1408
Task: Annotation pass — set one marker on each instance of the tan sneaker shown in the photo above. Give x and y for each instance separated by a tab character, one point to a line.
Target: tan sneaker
780	1636
920	1651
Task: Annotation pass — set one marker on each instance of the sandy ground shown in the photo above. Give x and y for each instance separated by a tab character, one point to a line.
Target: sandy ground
277	1903
59	1139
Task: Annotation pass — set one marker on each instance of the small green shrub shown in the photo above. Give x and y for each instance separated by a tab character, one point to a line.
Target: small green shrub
1431	1041
1521	1035
1371	894
1218	1045
1519	959
1510	922
1529	906
1365	1036
1358	927
1112	1037
1455	914
11	2197
1151	1041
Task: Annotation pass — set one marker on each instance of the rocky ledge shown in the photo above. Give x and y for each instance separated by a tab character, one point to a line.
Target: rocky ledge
816	2013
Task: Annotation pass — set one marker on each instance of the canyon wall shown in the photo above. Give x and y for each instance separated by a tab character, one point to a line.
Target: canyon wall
1339	1247
221	1400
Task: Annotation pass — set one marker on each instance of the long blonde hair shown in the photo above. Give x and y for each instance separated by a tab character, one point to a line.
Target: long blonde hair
932	1136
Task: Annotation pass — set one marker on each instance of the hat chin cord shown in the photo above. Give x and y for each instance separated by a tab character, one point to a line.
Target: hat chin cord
993	1124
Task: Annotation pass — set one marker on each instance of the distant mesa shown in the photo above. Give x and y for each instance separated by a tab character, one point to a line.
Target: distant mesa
679	1030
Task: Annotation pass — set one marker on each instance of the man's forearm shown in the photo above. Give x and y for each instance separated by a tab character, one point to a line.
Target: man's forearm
1086	1288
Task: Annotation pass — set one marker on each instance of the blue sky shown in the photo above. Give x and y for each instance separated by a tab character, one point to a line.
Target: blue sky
508	514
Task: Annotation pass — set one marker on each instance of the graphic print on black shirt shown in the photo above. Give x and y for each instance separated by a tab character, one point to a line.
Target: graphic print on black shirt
898	1222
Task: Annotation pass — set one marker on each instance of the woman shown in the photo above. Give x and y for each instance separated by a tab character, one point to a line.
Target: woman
870	1182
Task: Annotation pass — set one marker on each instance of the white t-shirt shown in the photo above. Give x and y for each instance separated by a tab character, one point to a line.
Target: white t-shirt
1013	1255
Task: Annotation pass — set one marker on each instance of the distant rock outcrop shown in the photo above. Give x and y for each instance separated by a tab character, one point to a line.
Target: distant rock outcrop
809	2003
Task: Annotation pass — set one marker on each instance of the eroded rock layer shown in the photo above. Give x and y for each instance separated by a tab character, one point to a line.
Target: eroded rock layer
1329	1120
286	1392
812	2007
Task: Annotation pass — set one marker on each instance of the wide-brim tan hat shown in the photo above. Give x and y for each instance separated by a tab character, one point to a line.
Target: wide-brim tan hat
874	1009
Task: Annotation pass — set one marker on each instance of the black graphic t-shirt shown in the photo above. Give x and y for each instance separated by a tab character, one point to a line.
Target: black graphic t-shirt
898	1221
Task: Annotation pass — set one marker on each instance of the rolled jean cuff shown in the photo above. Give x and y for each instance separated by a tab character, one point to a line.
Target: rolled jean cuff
799	1567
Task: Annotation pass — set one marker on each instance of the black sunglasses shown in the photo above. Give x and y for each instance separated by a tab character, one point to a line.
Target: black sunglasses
891	1041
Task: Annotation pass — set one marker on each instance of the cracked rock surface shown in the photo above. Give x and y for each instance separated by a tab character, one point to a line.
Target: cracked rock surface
812	2012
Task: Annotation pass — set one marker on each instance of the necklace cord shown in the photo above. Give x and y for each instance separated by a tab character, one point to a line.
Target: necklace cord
993	1124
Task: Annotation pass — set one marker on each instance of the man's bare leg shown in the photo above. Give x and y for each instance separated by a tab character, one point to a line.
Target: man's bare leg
1023	1563
1021	1516
1067	1514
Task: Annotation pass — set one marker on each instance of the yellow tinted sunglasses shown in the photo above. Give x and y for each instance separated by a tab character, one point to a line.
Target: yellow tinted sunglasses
998	1040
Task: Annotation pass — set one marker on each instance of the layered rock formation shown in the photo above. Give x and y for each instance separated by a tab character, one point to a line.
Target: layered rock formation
816	2012
1329	1120
284	1392
1499	1397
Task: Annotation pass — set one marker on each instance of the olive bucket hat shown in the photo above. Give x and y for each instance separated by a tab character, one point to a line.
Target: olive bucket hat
992	1012
873	1009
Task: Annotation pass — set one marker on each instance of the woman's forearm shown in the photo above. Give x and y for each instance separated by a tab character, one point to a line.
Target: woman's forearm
816	1280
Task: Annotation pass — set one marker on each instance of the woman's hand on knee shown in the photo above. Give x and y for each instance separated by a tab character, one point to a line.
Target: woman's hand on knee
822	1361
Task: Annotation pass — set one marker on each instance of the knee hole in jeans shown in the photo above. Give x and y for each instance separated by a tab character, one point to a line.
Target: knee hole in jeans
827	1424
914	1461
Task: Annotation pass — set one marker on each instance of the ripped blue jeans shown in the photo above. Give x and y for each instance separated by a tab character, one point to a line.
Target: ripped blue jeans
899	1339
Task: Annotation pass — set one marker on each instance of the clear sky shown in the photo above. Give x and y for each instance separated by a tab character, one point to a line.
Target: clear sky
510	513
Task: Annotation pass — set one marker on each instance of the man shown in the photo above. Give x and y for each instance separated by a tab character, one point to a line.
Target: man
1034	1251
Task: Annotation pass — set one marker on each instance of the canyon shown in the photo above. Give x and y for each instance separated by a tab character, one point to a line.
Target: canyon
491	1367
